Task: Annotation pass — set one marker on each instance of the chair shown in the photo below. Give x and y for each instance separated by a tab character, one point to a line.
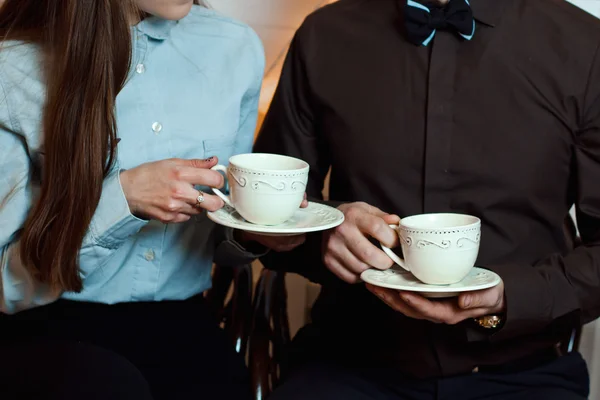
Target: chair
230	300
270	332
572	343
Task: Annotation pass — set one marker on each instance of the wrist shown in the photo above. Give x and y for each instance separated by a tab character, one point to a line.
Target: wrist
125	179
500	308
247	241
240	237
496	316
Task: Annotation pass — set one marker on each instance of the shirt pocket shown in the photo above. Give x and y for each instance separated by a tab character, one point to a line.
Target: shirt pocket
221	147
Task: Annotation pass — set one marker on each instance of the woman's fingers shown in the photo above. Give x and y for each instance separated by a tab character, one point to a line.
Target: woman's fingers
195	198
199	176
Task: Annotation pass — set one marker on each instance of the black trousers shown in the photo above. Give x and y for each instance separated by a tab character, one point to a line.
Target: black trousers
565	378
141	351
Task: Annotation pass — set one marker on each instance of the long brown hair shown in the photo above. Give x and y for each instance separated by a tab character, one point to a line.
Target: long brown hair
87	49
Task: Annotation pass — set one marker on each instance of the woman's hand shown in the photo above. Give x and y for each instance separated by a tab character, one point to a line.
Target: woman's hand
164	190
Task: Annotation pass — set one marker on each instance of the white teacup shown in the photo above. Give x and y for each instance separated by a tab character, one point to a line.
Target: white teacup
438	249
265	189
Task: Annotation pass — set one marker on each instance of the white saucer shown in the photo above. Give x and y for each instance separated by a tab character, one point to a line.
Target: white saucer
399	279
316	217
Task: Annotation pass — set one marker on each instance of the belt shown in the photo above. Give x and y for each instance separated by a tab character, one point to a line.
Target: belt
526	363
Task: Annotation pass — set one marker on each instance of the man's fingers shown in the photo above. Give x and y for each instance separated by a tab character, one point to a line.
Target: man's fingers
488	298
393	300
378	229
391	219
283	244
445	311
366	251
304	202
350	261
339	270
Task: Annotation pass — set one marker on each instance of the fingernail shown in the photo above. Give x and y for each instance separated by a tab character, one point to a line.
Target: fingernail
382	296
209	159
405	298
466	301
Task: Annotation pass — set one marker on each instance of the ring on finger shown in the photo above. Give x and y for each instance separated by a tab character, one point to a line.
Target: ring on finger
200	199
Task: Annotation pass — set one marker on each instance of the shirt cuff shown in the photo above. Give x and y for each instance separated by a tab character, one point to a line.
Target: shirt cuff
113	222
529	299
19	290
231	253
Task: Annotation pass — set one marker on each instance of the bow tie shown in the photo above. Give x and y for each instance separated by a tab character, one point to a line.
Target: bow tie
423	21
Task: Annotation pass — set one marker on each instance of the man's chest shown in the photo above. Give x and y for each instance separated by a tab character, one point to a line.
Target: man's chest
455	115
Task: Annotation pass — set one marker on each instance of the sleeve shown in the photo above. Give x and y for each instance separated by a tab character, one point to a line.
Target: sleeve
228	251
291	125
111	225
18	287
564	286
291	128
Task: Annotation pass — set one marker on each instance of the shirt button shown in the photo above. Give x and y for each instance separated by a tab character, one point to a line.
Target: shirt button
157	127
149	256
475	370
140	68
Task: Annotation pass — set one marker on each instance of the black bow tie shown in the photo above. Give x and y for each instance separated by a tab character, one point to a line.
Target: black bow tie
423	21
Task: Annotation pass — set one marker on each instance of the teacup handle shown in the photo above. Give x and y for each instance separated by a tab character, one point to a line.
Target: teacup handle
223	196
393	255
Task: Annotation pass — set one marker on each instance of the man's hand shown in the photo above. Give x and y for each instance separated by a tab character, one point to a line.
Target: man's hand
276	243
347	251
447	311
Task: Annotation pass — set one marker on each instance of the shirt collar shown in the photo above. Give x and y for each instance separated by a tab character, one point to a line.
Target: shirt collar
488	12
156	28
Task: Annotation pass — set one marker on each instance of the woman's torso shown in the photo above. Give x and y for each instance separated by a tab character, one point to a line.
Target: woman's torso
190	94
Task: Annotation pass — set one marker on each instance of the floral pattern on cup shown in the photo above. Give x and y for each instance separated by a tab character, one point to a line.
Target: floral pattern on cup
284	183
463	242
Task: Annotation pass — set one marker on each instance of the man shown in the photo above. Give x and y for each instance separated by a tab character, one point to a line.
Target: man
491	109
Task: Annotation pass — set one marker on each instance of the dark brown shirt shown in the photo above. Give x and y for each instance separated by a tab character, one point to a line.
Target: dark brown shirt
505	127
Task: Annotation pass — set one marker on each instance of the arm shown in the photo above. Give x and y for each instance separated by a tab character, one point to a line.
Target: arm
18	287
556	293
291	125
111	225
229	250
291	128
564	285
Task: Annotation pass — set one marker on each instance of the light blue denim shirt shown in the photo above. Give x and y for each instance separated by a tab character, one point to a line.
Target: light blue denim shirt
192	93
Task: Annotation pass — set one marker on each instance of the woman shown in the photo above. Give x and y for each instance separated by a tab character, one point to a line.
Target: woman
104	242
